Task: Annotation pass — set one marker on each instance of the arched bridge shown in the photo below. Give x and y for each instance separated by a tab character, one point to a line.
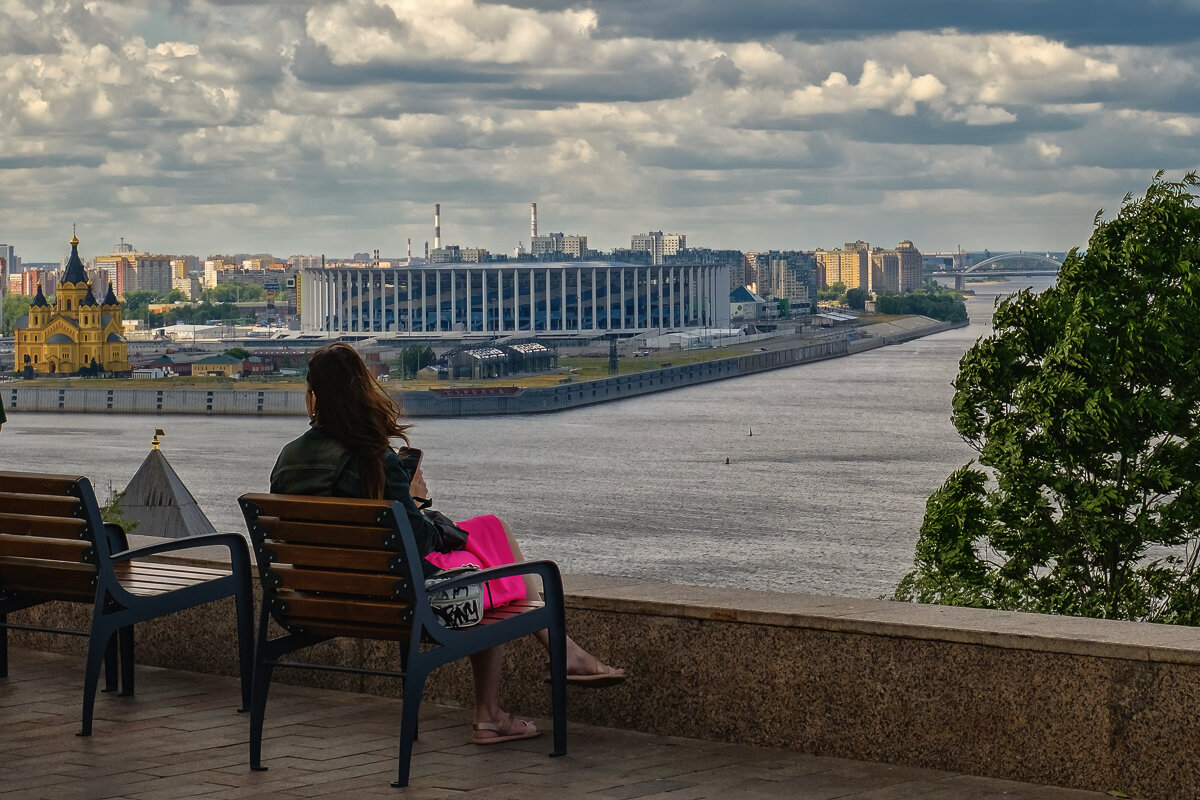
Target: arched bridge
989	265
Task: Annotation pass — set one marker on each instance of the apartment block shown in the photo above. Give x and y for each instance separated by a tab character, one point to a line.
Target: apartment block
658	244
574	245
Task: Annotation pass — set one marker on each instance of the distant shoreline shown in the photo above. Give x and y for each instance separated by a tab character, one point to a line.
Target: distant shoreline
461	402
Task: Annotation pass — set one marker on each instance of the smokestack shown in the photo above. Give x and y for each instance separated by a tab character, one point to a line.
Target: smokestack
410	249
437	226
532	221
375	260
426	249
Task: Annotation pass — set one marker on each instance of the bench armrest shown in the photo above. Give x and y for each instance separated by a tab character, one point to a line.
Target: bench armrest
239	552
547	570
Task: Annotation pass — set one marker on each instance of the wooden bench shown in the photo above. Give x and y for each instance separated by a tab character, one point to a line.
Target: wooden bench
334	567
55	547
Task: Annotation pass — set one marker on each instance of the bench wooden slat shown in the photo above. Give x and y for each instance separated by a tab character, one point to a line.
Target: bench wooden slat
336	610
44	505
36	483
34	577
146	580
391	633
48	527
348	583
325	533
317	509
355	558
70	550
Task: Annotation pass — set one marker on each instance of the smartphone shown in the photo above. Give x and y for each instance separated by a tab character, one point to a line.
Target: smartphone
410	459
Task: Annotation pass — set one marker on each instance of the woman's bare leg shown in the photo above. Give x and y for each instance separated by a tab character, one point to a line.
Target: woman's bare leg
579	661
490	720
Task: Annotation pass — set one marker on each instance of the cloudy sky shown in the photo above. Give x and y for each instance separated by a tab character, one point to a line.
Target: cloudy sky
209	126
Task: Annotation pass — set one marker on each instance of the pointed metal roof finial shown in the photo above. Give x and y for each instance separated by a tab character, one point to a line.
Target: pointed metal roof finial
157	433
74	235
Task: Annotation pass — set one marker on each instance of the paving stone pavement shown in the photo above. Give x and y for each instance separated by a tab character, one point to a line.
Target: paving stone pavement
180	737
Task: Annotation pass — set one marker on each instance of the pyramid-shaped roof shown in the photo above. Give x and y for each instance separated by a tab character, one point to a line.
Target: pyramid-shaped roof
74	272
110	299
159	502
40	299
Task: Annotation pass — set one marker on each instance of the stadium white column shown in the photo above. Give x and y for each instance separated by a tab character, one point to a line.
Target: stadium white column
408	290
424	301
562	286
608	298
622	271
395	301
371	301
453	299
483	287
649	321
595	323
467	312
437	301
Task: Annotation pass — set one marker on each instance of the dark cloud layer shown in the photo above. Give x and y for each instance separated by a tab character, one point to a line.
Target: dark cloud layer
1076	22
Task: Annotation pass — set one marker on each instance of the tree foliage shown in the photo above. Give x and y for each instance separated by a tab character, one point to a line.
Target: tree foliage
1084	407
940	304
414	358
856	298
15	306
835	291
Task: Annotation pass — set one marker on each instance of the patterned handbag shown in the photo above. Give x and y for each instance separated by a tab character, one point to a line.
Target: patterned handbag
460	607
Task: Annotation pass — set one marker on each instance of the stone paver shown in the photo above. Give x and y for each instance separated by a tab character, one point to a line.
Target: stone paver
181	737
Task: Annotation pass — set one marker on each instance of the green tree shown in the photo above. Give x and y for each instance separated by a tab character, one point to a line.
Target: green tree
234	293
856	298
785	307
415	358
135	304
175	296
238	352
1084	407
936	303
834	291
15	305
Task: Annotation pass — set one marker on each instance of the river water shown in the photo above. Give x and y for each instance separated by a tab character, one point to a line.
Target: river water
825	497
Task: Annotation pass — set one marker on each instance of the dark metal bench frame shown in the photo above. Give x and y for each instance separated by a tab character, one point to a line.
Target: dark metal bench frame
334	567
63	551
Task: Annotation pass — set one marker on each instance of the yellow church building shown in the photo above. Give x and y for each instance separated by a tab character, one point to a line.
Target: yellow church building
75	332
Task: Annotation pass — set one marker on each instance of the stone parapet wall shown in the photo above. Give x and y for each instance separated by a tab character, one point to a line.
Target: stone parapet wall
1092	704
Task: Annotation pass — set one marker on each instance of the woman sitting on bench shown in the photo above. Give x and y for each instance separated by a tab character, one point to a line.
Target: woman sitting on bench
347	453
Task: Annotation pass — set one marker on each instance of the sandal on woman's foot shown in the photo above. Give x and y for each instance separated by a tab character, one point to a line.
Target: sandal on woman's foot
512	730
605	676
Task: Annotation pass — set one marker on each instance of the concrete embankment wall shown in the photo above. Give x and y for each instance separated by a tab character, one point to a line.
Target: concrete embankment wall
153	400
160	399
1090	704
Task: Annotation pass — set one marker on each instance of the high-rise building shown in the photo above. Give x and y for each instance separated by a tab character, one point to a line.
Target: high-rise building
885	271
8	265
849	266
793	277
912	266
658	244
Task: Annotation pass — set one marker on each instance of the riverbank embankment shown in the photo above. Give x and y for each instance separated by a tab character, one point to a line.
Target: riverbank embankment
465	401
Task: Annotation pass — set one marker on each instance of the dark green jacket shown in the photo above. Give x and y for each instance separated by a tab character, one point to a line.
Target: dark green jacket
318	464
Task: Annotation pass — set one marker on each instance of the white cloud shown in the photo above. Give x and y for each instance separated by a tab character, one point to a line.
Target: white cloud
358	113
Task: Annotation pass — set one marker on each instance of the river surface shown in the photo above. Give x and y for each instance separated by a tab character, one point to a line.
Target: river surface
825	497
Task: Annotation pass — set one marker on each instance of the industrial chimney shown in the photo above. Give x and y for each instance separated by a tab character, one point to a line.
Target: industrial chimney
437	226
532	221
410	249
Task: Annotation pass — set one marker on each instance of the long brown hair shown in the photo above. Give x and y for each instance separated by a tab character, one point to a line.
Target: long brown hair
353	408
